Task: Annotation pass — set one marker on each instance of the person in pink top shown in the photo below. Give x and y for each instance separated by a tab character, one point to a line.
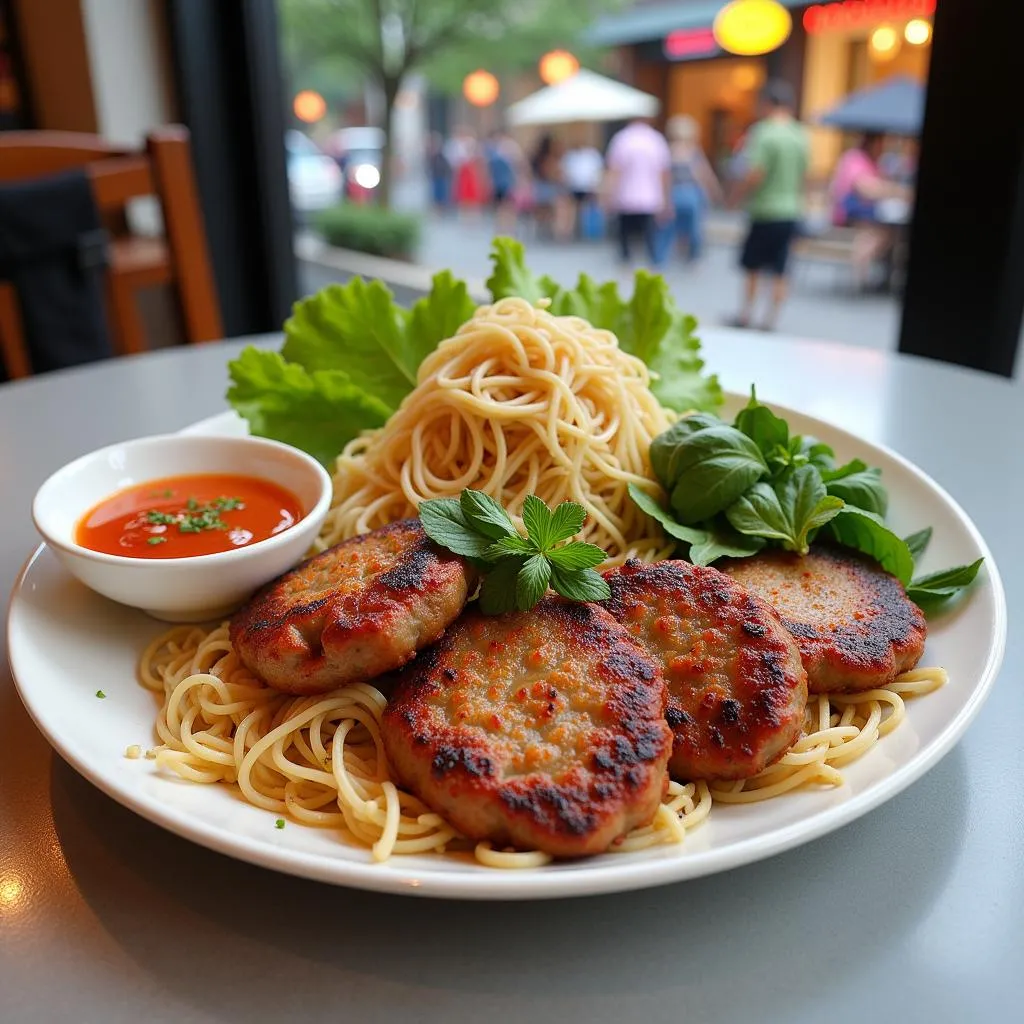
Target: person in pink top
857	187
638	184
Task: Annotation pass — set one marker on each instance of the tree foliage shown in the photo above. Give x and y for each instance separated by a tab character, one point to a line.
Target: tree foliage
444	39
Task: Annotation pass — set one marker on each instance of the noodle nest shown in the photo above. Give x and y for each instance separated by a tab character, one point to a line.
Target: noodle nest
518	402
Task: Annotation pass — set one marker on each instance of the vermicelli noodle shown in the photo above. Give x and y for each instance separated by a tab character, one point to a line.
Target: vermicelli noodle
518	402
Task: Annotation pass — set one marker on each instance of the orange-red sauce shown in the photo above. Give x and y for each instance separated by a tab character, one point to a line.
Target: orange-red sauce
182	516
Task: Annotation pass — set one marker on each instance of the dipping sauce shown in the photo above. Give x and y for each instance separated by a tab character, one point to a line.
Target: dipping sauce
183	516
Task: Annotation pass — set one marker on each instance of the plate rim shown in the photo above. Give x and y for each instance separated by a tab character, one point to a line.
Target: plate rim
540	883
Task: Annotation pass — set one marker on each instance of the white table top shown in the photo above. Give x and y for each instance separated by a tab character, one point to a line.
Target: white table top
913	913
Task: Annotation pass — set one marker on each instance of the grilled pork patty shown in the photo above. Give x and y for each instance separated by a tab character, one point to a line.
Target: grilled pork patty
540	730
737	690
853	622
360	609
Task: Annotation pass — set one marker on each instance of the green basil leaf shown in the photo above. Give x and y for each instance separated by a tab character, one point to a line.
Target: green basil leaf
759	513
577	555
936	589
532	582
486	515
567	521
918	542
849	469
807	449
806	505
762	426
865	531
498	590
538	520
446	524
664	446
787	512
861	487
722	542
505	546
687	534
581	585
715	466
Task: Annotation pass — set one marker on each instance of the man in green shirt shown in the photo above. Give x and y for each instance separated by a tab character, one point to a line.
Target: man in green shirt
776	157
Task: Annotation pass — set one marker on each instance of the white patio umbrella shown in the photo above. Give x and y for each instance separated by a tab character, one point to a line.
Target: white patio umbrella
586	96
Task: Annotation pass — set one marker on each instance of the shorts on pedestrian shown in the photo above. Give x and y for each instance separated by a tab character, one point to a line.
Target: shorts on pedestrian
767	246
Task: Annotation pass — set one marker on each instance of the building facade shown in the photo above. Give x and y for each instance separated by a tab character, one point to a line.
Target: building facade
836	47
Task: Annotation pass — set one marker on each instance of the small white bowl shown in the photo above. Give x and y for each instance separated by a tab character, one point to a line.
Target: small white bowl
189	589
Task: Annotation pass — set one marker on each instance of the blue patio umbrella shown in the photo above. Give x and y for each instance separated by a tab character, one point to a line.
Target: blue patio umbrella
893	107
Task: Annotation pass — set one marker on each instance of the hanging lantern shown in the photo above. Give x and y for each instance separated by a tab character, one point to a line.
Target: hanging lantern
917	32
480	88
309	106
884	43
557	66
752	27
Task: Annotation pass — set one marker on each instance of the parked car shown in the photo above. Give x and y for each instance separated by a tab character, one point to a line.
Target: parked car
314	180
360	153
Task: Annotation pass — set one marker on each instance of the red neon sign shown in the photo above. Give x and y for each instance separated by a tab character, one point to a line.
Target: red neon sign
855	14
690	42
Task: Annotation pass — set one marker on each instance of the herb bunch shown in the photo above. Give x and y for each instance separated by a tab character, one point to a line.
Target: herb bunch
517	570
735	488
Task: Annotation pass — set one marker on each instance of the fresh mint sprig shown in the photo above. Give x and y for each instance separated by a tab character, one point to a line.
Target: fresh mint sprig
518	570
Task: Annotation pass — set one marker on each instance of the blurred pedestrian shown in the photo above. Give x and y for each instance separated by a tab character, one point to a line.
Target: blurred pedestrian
551	209
582	170
857	188
776	158
463	154
694	185
638	186
504	161
440	172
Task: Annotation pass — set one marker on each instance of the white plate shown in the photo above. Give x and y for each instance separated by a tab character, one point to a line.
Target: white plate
65	643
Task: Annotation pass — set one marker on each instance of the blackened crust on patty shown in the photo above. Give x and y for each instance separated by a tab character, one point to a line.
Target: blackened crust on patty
541	730
853	622
736	688
358	610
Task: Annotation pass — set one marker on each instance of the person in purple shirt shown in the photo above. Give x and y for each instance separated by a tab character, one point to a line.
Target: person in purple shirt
638	185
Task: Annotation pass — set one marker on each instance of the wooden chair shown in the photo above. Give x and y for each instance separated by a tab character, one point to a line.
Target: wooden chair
180	258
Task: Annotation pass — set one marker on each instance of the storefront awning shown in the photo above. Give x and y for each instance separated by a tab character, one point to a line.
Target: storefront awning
586	96
655	21
895	107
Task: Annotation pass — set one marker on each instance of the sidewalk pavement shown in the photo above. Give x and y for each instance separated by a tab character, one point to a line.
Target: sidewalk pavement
821	305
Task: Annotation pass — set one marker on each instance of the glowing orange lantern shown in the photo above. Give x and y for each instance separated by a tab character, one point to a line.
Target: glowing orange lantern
480	88
309	106
557	66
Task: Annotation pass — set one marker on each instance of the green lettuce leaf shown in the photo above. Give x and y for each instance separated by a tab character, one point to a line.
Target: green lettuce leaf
649	326
319	412
351	354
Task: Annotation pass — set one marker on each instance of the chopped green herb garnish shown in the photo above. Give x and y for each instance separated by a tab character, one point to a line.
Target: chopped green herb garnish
279	823
101	695
157	540
196	517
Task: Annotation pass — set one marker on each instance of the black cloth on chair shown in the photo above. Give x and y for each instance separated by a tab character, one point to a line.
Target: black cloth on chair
53	249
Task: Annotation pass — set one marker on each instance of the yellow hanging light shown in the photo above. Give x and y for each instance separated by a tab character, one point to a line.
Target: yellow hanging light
480	88
752	27
557	66
884	43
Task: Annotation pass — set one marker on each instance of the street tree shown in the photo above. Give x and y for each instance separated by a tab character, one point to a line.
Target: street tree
386	40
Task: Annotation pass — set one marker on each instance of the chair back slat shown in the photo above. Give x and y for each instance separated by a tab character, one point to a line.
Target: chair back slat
118	175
